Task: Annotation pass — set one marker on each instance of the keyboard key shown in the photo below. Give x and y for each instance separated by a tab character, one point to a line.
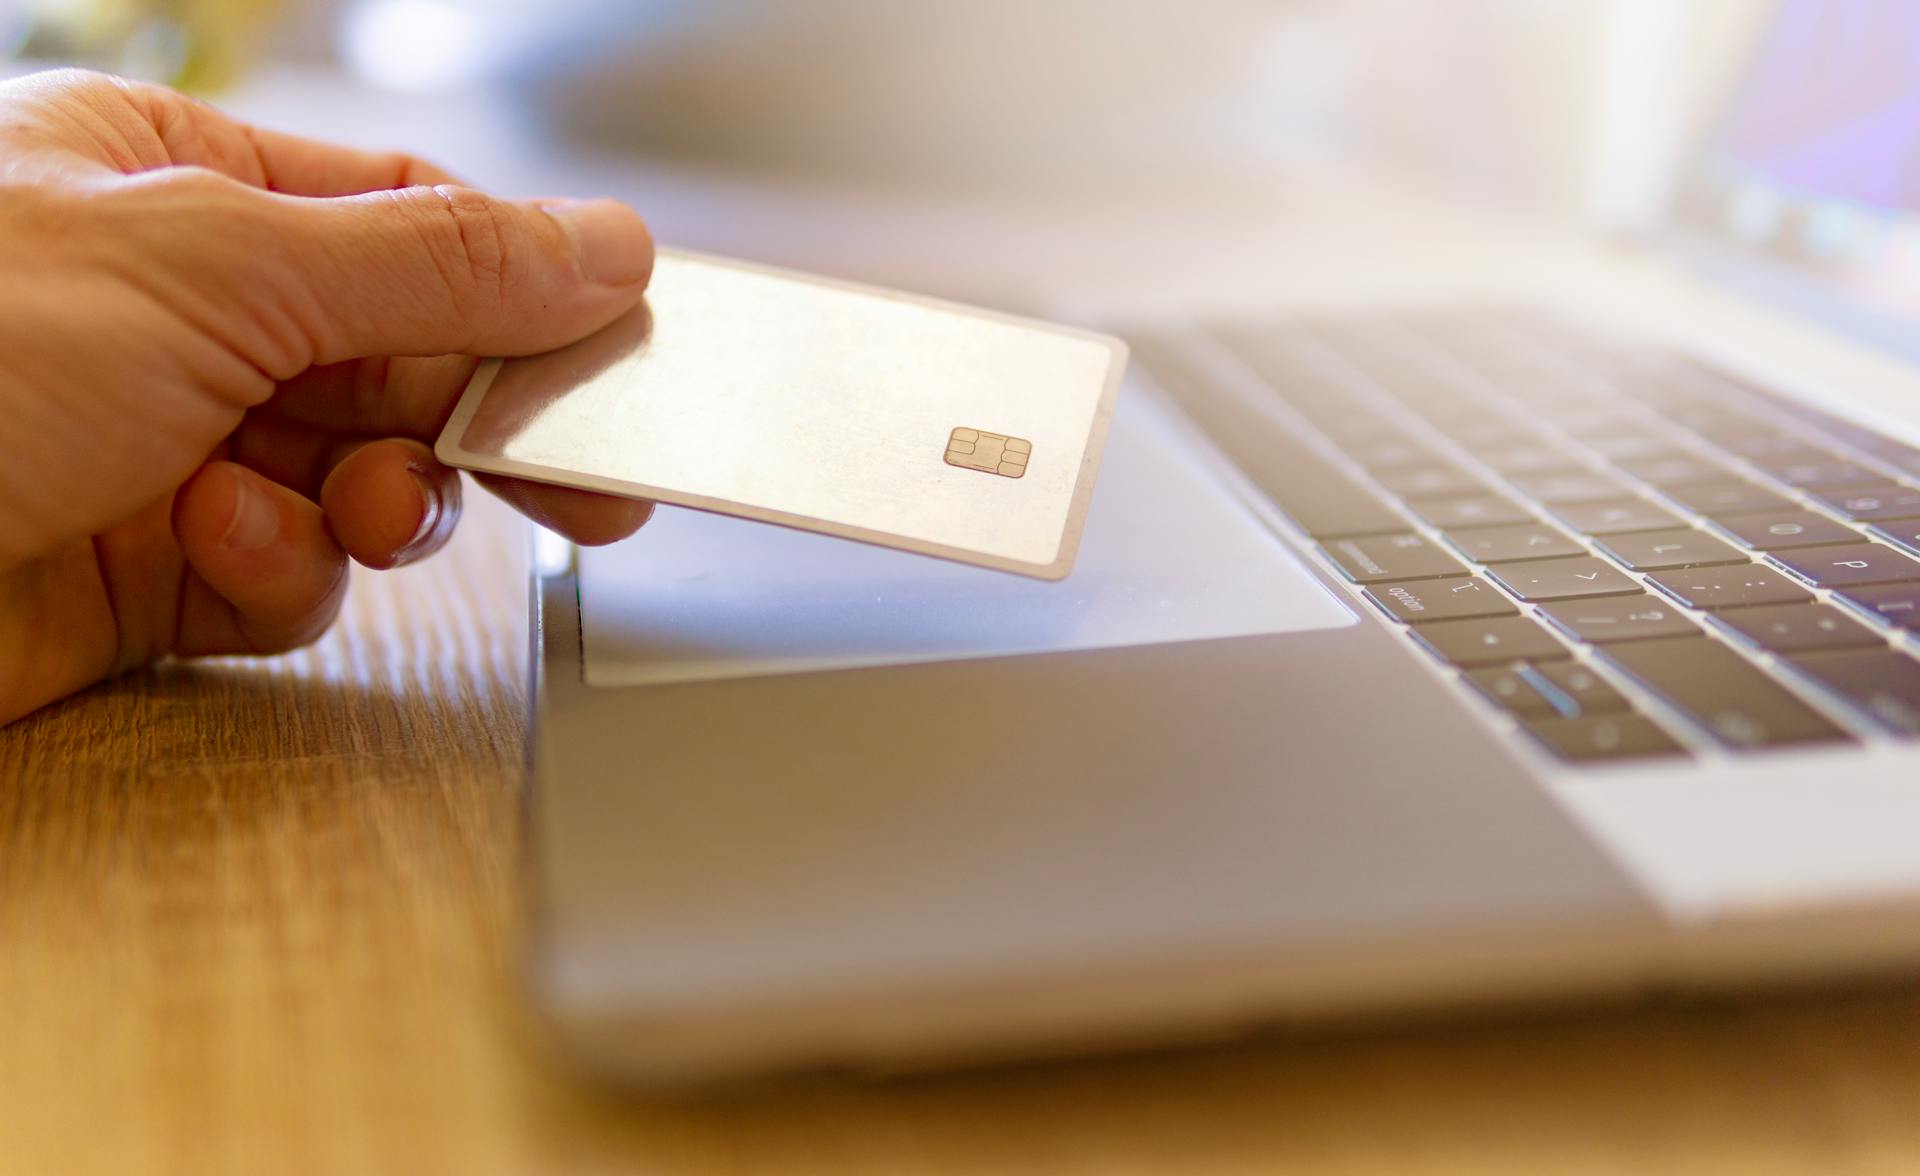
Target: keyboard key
1518	691
1872	503
1624	445
1489	641
1723	692
1674	469
1521	541
1705	416
1896	604
1580	685
1888	449
1416	390
1615	516
1680	384
1584	419
1388	453
1427	481
1359	429
1797	628
1652	551
1304	386
1338	411
1786	529
1813	474
1474	511
1882	684
1422	601
1638	617
1372	559
1847	433
1554	489
1768	447
1319	498
1901	457
1483	433
1854	563
1560	689
1561	579
1735	587
1323	506
1905	535
1604	737
1728	498
1538	458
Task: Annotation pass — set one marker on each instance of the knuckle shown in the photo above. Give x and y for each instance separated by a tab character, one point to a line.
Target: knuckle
73	77
474	230
60	101
213	252
193	217
191	184
165	199
75	83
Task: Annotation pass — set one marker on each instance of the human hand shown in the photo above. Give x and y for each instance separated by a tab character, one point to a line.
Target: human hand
223	352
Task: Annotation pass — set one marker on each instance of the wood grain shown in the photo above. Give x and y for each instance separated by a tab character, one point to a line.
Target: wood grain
260	917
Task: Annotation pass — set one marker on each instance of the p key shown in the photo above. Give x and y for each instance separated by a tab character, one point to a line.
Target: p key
1844	564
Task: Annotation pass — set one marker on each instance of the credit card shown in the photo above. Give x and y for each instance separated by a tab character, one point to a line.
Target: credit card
863	413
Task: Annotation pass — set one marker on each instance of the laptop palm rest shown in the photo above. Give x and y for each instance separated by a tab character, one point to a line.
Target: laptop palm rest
1170	554
956	852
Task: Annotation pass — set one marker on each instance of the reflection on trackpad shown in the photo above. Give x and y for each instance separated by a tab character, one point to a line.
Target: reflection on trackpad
1169	554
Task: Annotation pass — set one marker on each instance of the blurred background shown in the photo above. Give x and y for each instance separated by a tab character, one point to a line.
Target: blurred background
938	144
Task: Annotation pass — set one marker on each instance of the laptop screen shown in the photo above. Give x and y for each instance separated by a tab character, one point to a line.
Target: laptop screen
1817	161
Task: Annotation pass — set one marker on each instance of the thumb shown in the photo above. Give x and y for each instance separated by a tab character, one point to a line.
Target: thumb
437	270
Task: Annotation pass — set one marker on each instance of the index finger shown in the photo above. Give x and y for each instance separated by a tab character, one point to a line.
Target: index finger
309	167
196	134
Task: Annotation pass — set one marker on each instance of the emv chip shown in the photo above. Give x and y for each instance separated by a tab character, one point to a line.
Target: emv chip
993	453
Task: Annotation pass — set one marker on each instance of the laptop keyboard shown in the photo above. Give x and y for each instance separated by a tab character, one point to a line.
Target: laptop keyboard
1627	552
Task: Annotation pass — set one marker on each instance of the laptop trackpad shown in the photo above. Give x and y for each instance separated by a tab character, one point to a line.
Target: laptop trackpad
1169	554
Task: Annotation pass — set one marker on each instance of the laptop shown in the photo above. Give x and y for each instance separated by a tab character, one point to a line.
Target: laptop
1490	615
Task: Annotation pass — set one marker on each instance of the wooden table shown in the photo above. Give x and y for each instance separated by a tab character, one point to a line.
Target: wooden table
261	918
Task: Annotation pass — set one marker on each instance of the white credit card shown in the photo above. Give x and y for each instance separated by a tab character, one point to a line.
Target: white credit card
852	411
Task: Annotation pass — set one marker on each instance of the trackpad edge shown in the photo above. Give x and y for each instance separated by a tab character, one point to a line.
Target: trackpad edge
1170	554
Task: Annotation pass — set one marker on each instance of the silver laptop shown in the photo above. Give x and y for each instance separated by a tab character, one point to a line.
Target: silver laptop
1484	616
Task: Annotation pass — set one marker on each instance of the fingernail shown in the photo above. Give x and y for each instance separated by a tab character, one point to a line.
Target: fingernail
429	514
610	241
255	521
